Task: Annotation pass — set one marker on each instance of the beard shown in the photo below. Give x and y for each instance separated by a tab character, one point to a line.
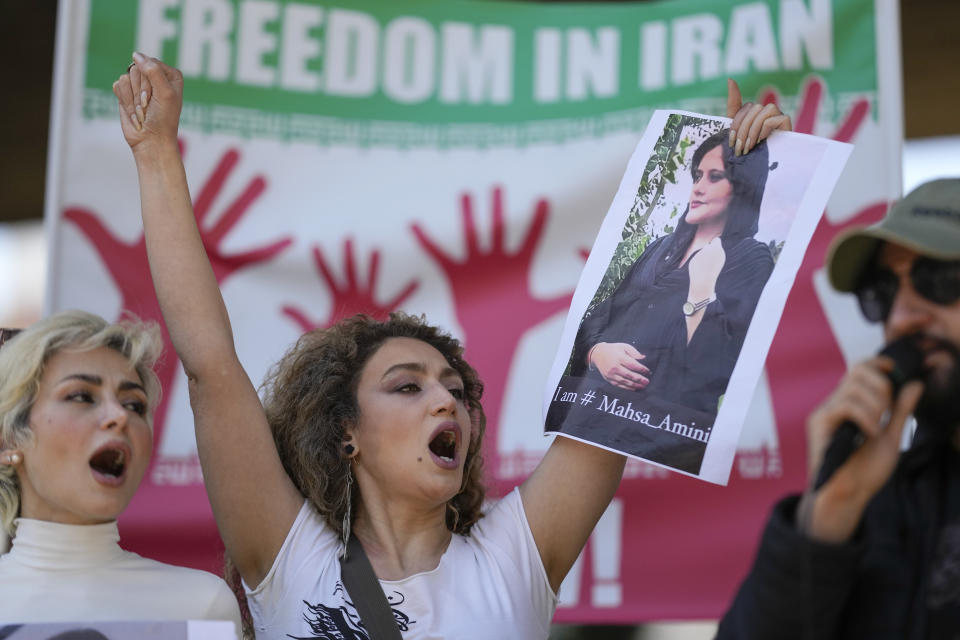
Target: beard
939	406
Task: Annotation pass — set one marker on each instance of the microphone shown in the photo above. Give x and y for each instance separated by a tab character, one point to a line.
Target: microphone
907	359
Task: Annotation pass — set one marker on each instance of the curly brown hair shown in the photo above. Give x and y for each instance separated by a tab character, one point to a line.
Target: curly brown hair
310	397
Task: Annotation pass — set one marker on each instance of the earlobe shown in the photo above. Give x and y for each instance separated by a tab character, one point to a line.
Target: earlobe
348	447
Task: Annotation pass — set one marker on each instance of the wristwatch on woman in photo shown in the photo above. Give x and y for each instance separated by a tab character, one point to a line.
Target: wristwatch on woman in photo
690	308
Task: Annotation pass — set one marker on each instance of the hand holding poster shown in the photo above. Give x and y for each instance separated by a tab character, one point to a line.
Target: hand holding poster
676	308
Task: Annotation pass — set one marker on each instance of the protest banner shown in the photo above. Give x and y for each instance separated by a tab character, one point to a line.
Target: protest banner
456	159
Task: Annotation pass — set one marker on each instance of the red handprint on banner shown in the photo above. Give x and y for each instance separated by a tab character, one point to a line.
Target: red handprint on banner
491	295
127	263
353	297
806	117
802	349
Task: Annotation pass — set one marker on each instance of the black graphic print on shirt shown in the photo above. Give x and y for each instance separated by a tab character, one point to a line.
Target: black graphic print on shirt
343	622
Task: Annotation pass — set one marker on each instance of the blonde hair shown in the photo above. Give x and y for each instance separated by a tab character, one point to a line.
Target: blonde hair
22	361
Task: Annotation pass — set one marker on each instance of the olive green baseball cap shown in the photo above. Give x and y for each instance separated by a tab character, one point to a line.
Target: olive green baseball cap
926	220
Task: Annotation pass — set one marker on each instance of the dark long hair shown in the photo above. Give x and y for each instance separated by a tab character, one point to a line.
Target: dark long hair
748	177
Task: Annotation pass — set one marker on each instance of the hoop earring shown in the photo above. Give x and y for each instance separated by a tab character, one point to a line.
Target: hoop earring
345	525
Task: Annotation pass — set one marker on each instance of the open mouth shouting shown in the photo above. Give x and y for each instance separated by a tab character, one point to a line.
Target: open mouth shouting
109	463
444	445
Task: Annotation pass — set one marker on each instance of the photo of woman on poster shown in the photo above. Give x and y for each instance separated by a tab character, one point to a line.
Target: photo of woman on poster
674	326
652	354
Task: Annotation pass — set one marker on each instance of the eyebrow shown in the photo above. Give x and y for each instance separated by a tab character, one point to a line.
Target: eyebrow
126	385
419	367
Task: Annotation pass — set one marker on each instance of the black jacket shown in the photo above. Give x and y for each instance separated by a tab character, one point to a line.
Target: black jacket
898	578
646	311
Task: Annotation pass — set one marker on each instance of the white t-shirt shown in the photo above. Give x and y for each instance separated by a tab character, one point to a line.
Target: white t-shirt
490	584
78	573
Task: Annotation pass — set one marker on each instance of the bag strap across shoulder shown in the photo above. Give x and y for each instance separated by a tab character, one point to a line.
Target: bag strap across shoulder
367	594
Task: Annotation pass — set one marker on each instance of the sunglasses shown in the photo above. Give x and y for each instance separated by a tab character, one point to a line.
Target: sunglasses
937	281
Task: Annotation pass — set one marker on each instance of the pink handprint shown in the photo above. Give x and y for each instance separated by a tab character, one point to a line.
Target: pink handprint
354	297
127	263
810	107
800	354
492	297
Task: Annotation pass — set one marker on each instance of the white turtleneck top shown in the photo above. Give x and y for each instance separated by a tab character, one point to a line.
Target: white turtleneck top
78	573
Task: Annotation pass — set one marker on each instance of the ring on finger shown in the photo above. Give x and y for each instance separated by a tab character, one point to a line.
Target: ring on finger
130	66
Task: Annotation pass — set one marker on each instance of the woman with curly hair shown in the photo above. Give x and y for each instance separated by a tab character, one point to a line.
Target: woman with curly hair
77	395
367	428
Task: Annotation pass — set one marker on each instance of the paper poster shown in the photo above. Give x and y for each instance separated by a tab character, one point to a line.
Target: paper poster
679	301
157	630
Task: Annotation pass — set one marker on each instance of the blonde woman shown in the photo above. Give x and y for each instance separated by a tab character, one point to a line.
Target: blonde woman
76	400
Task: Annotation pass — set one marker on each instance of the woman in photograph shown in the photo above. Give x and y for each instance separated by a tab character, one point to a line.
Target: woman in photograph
674	326
369	431
76	402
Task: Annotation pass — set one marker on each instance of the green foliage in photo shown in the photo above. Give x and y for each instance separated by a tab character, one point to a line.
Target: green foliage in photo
669	158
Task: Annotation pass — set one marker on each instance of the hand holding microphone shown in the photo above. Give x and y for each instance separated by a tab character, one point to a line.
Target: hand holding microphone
862	421
907	360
